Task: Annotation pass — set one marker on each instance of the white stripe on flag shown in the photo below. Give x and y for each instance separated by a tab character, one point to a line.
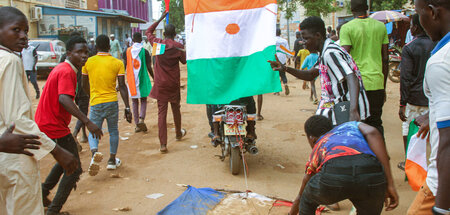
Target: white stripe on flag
257	32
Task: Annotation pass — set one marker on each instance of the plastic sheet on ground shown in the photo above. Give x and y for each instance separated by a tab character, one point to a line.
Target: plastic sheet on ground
194	201
207	201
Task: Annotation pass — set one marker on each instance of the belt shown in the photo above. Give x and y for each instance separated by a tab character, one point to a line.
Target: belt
354	170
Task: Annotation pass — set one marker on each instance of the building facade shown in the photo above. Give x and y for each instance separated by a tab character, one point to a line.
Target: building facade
135	8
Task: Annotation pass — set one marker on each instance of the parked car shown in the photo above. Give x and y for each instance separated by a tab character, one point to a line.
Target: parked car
49	53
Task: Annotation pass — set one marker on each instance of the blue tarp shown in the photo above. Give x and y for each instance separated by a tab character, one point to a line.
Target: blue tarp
194	201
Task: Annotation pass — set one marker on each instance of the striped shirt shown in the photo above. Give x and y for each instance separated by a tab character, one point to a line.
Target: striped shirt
334	65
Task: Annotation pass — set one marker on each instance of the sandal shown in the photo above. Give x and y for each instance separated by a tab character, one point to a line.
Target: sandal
163	149
183	133
259	117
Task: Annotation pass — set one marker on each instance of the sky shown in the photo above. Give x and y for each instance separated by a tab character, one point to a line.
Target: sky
156	9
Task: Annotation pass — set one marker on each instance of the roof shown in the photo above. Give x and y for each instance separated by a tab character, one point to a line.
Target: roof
52	10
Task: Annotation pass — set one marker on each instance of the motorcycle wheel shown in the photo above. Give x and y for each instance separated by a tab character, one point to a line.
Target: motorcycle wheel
394	75
235	160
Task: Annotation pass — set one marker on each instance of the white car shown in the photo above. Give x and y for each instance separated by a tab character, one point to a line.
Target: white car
49	53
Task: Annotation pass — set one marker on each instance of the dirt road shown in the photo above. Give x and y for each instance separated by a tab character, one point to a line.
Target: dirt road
281	140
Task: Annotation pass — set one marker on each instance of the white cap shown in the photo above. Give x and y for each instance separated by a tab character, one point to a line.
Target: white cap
112	35
92	39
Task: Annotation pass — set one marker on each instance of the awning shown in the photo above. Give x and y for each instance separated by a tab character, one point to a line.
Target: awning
52	10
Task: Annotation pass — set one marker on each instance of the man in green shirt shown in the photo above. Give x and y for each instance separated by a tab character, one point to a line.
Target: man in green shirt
367	41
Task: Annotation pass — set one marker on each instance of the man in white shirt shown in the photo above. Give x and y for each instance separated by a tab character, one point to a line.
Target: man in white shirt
281	42
435	19
30	58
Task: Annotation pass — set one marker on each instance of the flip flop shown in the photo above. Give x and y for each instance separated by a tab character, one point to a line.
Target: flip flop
183	133
259	117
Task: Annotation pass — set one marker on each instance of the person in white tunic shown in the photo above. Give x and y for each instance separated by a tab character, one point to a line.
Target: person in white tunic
20	188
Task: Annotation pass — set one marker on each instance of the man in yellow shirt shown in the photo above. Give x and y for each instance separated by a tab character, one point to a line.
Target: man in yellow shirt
301	55
100	75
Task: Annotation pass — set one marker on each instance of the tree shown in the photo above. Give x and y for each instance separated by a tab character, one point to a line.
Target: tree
176	13
377	5
313	7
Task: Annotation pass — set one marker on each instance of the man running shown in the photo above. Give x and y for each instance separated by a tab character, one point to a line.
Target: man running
53	116
101	73
167	80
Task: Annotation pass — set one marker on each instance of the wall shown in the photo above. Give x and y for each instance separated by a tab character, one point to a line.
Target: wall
136	8
26	5
92	4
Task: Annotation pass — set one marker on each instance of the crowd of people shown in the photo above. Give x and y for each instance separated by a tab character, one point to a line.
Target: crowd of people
349	159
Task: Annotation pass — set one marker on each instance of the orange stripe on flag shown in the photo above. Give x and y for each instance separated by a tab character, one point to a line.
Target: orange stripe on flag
416	174
205	6
154	48
287	50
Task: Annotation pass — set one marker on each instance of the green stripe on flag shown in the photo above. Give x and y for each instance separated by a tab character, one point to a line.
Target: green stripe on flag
222	80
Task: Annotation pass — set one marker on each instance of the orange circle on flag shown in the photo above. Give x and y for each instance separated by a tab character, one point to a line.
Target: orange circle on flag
136	64
233	28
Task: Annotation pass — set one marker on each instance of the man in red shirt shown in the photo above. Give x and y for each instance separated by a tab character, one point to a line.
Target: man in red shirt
53	116
167	80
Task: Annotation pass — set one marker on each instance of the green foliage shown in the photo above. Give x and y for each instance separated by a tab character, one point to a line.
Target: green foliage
377	5
176	13
313	7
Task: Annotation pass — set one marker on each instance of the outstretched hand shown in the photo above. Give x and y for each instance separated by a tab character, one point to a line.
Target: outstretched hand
276	65
17	143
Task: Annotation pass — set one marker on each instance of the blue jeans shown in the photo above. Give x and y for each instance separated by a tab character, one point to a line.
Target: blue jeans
110	112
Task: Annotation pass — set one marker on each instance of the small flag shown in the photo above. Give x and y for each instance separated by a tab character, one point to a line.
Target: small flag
158	49
286	51
416	159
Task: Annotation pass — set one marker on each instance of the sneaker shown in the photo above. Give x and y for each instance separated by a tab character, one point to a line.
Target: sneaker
142	126
94	167
112	165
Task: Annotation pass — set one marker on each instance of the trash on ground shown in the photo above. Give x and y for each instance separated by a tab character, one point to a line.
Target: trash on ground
194	146
281	166
122	209
124	138
154	196
115	175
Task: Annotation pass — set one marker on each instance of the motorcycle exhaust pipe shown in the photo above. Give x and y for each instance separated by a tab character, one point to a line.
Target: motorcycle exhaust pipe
253	150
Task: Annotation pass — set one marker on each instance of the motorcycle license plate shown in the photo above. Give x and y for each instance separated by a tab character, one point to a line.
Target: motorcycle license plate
235	130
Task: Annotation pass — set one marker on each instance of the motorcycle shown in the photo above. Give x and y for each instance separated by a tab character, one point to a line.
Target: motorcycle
395	58
232	131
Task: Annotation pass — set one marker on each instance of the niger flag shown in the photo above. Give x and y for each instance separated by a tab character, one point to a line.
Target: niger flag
416	159
228	43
